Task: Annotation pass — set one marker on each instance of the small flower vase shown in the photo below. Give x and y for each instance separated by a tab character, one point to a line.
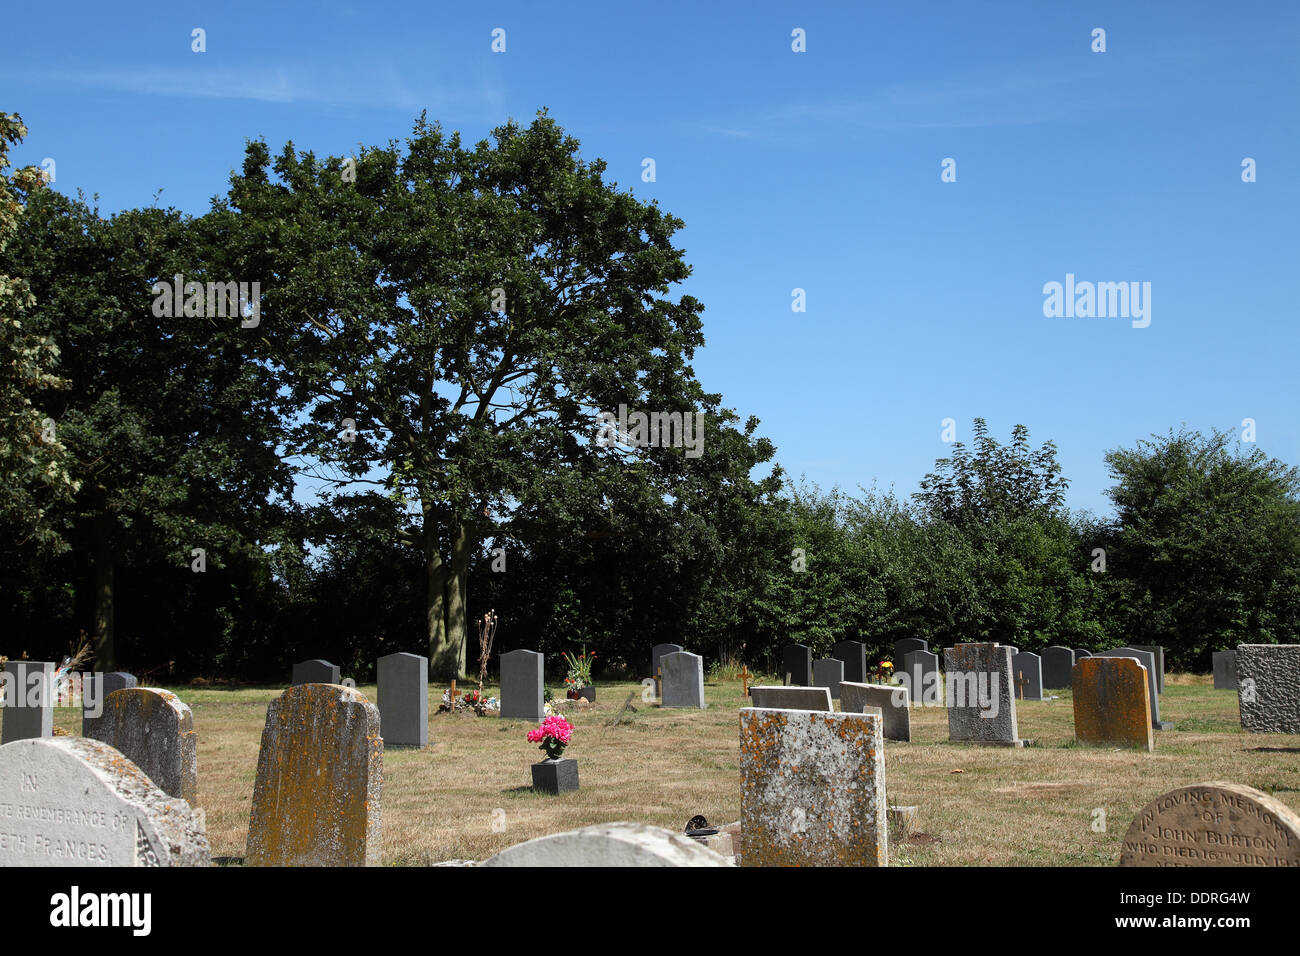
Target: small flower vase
555	776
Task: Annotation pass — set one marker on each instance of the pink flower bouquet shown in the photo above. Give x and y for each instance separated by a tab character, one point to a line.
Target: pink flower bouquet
553	735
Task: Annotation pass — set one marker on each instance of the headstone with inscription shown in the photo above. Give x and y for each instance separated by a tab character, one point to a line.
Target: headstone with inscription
980	695
316	799
1268	688
1112	706
796	662
1058	667
315	672
683	680
854	656
1213	824
828	673
403	693
890	700
28	700
1225	670
521	686
71	801
154	729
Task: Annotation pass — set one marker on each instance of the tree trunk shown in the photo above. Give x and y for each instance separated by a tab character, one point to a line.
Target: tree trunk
435	603
457	591
102	638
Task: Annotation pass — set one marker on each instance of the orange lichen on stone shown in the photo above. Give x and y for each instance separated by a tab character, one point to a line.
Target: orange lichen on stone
1112	706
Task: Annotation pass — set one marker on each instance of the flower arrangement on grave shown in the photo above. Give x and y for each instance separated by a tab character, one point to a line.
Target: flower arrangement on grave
552	736
885	671
579	671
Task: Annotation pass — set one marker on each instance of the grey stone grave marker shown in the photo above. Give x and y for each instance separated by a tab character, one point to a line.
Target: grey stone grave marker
683	680
1268	691
1058	666
29	700
1147	660
1159	652
1225	670
1027	672
854	656
403	695
792	698
829	673
923	683
315	672
906	646
154	729
981	701
796	662
858	698
521	686
657	653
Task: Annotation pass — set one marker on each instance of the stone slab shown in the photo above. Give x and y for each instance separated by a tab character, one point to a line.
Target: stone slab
154	729
792	698
609	844
683	683
1058	667
796	664
981	708
315	672
316	799
924	679
522	690
1027	672
95	688
28	700
854	656
1213	824
1225	670
907	645
1268	693
70	801
829	673
403	696
812	789
1112	705
1147	660
1157	651
657	652
890	699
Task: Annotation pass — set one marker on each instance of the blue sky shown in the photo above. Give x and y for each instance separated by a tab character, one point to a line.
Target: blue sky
817	170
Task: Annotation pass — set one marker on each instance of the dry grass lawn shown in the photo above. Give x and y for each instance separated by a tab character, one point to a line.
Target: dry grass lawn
1024	807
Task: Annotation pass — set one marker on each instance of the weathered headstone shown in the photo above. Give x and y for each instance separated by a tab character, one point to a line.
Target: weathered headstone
656	654
1058	666
812	789
683	680
95	689
854	656
1213	824
320	770
1112	706
1014	650
981	701
1027	672
828	673
1268	688
1080	654
521	685
72	801
924	685
796	662
403	694
315	672
610	844
1158	651
908	645
1147	660
1225	670
891	700
28	700
154	729
792	698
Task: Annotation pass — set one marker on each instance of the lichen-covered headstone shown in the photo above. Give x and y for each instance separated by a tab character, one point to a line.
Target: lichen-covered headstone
812	789
829	673
155	730
522	674
1225	670
923	679
1027	672
854	656
980	695
70	801
1112	706
28	700
796	663
856	698
1213	824
315	672
403	692
1058	667
1147	660
316	800
683	680
1268	688
792	698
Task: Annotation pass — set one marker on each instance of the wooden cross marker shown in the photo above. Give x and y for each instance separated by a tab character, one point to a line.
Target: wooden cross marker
659	683
627	705
453	697
1020	684
744	680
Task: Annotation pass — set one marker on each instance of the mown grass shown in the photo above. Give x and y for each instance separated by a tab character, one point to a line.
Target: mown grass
467	795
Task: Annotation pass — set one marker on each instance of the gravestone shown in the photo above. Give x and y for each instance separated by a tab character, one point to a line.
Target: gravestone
403	693
923	678
683	680
1158	652
72	801
521	686
812	789
828	673
792	698
610	844
1080	654
908	645
1225	670
1112	706
1147	660
1213	824
1268	693
1027	672
1058	666
154	729
1014	650
854	656
796	662
28	700
981	704
891	701
95	689
315	672
656	654
320	769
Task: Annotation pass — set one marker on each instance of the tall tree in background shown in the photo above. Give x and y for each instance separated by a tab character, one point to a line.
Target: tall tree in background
469	310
